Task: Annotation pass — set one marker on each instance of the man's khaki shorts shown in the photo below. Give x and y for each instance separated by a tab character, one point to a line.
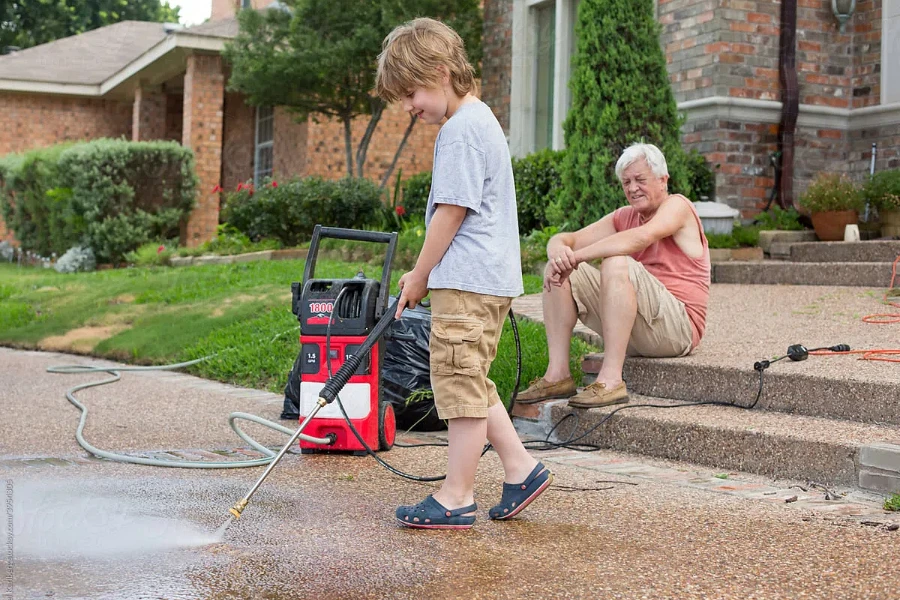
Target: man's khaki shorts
661	328
465	331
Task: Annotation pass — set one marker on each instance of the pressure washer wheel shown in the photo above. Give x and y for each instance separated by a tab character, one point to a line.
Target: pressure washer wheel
387	426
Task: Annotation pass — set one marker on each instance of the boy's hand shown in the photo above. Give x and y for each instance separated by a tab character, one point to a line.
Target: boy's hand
413	287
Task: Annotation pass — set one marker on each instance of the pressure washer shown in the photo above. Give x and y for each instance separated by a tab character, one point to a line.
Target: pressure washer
342	324
337	317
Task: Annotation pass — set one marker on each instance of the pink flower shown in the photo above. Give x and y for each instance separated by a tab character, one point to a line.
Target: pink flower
274	183
216	189
160	249
399	210
240	186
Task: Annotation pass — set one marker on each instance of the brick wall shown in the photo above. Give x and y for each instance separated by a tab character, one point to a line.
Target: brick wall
204	95
174	116
497	61
35	121
291	145
327	157
866	76
691	34
237	144
730	48
148	115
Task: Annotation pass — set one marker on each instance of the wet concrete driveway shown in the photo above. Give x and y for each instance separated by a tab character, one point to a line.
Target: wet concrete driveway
323	527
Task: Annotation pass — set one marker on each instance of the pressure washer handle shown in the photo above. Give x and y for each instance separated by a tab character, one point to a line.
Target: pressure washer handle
340	379
338	233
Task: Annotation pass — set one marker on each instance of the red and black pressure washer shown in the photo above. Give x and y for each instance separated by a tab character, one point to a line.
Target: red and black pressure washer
336	318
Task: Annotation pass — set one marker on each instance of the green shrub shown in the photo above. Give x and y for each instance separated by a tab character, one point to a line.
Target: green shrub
620	95
831	191
538	183
883	190
701	177
30	210
534	249
109	195
740	237
153	254
290	210
415	193
779	218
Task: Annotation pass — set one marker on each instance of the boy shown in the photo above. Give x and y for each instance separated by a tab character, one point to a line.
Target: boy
471	263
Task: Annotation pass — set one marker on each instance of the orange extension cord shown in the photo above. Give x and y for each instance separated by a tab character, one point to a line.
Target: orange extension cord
877	319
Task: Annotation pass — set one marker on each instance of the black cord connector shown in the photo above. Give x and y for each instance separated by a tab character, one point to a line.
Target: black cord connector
797	352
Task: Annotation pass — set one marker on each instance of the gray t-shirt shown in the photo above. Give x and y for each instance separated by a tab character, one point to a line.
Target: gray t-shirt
472	168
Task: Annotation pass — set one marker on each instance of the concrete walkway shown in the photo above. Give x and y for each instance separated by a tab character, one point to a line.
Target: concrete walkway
613	525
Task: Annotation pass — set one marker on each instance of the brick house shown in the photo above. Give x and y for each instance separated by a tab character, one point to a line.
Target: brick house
146	81
723	63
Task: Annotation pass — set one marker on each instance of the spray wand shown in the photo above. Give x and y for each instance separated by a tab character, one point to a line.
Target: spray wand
326	396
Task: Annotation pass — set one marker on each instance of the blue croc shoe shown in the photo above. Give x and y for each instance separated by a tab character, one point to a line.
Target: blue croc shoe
517	496
431	514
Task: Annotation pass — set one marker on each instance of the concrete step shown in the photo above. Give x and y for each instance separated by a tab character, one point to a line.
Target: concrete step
787	388
768	272
767	443
873	251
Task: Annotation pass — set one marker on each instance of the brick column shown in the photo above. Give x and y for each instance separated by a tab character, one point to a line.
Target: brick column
204	93
148	116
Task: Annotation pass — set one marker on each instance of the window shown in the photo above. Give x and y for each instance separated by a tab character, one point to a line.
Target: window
246	4
542	46
263	154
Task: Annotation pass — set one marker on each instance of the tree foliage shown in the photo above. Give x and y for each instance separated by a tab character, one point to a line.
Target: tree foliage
26	23
620	95
318	57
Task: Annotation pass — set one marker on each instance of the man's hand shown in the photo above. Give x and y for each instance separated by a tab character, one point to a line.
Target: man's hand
561	262
413	287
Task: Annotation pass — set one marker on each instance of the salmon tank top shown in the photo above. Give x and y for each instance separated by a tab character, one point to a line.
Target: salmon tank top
686	278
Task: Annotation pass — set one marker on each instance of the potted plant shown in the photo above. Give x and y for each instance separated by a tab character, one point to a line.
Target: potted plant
882	192
833	202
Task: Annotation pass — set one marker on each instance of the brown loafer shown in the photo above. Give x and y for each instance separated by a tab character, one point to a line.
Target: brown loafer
596	395
541	389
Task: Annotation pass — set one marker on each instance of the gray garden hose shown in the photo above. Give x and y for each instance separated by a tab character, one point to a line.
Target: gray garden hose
114	371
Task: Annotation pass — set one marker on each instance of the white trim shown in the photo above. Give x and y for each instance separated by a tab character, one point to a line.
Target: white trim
48	87
168	44
768	111
522	77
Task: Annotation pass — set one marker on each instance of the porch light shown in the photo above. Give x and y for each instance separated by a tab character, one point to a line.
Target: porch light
843	10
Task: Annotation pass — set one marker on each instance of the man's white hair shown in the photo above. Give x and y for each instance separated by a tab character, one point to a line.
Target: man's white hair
648	152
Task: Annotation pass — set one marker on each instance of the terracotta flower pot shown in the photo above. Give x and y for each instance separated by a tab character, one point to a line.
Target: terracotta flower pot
829	225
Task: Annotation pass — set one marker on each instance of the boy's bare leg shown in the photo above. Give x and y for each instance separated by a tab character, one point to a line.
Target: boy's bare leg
466	437
619	311
560	317
517	463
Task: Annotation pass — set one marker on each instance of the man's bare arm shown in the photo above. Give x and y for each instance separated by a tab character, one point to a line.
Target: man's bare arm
671	216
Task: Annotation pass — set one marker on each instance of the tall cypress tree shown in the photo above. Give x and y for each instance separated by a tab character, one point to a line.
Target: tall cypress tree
620	95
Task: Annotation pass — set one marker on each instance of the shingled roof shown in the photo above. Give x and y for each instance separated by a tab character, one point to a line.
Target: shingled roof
93	57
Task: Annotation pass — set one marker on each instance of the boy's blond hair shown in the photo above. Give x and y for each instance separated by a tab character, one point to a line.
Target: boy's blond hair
411	55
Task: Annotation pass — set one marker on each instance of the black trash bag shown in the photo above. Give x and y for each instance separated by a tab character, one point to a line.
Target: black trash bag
406	369
291	409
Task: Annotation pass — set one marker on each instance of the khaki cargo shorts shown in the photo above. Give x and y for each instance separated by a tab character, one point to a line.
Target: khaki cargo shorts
661	328
465	331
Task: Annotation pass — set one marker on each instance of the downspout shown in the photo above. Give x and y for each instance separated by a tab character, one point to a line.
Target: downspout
790	102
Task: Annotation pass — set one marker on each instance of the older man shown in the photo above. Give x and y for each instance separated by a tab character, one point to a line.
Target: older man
649	296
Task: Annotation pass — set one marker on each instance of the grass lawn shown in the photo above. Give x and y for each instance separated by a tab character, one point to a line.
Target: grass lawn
239	312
